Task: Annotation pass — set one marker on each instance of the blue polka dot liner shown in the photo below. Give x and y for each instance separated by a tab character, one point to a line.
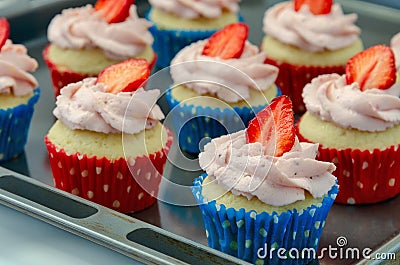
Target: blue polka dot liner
195	124
257	237
14	127
167	42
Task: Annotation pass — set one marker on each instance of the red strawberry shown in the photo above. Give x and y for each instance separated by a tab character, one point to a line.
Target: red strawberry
317	7
4	31
372	68
274	127
228	42
126	76
114	11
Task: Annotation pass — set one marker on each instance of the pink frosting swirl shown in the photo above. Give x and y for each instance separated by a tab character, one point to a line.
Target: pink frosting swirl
192	9
230	80
86	105
395	45
243	169
15	65
311	32
331	99
84	28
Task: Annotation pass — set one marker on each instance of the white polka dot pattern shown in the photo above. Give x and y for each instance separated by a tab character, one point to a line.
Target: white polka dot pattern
368	176
121	184
351	201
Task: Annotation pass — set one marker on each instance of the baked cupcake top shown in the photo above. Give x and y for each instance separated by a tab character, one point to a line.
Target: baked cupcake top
395	45
226	65
267	161
192	9
109	104
313	28
366	98
87	28
15	65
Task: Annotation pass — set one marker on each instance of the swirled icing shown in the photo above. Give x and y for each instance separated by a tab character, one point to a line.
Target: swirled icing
86	105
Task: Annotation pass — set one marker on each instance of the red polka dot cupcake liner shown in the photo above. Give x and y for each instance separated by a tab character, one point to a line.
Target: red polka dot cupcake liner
61	76
123	185
364	176
292	79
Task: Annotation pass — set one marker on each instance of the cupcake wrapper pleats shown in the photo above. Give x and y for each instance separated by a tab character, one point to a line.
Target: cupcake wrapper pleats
292	79
250	235
125	186
364	176
14	127
194	123
167	43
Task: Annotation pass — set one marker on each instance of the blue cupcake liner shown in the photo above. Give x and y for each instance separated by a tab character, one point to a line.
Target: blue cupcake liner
167	43
195	123
14	124
242	234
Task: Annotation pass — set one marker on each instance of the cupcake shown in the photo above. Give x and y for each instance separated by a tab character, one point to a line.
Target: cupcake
263	190
178	23
219	84
19	92
107	144
306	40
356	119
85	40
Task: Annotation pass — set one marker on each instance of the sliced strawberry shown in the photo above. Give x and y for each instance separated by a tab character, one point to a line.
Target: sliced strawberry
4	31
126	76
317	7
274	127
228	42
114	11
372	68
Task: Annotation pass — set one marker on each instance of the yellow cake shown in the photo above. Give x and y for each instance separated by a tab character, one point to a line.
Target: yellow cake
330	135
87	61
169	21
8	101
211	191
112	146
188	96
293	55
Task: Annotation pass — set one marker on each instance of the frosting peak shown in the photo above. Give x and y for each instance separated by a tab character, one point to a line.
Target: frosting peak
330	98
85	28
230	79
242	169
15	65
192	9
86	105
311	32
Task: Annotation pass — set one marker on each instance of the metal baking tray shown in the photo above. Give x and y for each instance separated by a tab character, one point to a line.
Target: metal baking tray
369	226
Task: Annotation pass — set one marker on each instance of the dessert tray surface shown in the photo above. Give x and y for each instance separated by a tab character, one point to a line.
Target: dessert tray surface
167	232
